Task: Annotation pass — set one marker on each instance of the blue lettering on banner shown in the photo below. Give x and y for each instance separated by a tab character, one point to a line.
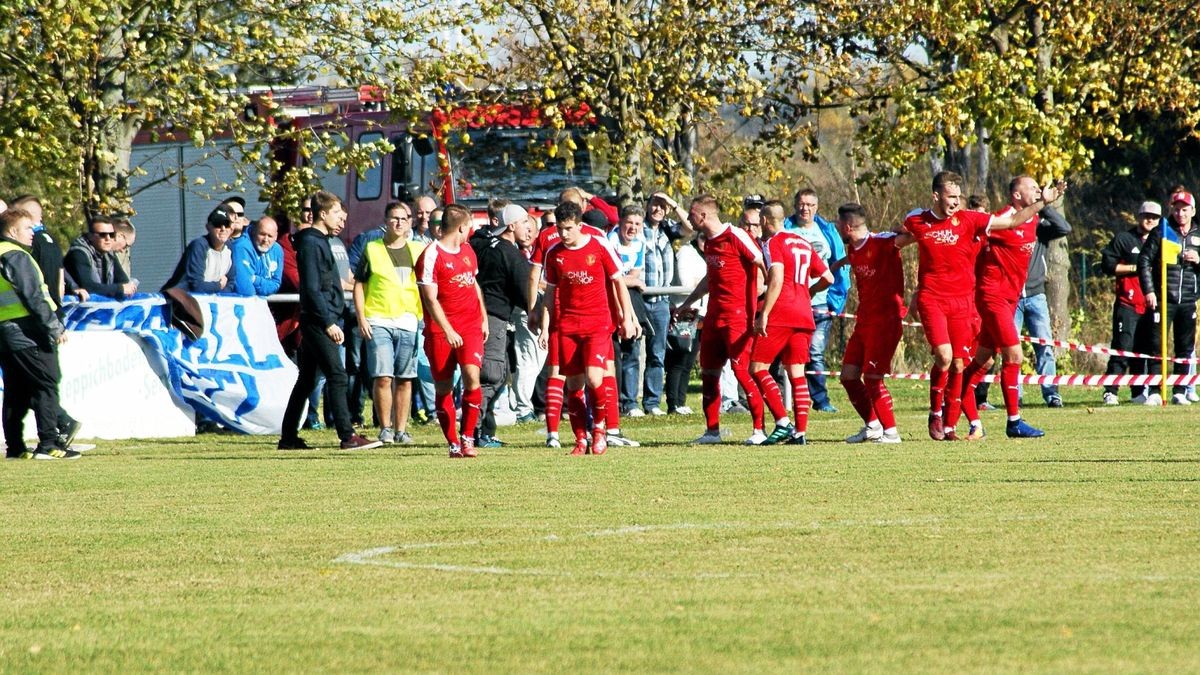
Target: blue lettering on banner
221	374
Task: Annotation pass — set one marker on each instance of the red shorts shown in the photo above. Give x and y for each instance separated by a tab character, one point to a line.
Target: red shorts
579	352
949	321
872	347
790	342
719	344
999	325
443	358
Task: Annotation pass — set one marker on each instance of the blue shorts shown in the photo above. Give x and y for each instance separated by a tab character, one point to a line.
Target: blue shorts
392	352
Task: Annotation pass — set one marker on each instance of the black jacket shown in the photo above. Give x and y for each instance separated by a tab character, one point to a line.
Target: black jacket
503	274
1051	226
1181	277
322	300
42	327
94	271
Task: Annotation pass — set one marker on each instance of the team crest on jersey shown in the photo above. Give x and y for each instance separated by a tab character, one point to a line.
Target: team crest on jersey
591	259
943	237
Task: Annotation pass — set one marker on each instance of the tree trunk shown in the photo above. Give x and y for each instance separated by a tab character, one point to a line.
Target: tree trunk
105	181
1058	272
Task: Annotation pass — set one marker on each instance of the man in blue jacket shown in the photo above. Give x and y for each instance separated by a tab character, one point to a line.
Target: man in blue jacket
828	244
258	260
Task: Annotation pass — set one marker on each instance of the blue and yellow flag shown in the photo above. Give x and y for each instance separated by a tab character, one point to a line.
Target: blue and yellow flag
1172	245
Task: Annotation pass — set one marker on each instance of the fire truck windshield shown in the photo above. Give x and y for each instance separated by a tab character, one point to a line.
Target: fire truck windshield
529	165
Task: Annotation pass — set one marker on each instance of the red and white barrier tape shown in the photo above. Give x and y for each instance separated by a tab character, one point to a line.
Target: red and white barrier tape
1065	344
1067	380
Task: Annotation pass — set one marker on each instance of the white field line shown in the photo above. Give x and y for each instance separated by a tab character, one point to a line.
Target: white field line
377	557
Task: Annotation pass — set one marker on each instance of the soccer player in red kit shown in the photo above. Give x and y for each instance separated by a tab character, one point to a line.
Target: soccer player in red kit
1003	267
547	238
455	325
734	263
879	277
582	274
946	236
782	327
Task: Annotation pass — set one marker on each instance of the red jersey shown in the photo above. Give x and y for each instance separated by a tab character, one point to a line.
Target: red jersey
732	257
581	277
879	277
1005	261
452	274
948	248
548	237
801	265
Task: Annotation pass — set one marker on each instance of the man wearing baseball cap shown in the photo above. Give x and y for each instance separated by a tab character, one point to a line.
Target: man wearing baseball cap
1132	325
1173	250
504	278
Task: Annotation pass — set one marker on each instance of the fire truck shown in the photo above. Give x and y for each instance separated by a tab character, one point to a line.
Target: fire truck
467	153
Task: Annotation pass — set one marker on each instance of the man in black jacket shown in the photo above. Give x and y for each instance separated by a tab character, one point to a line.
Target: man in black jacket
1182	287
92	263
322	303
504	279
1131	323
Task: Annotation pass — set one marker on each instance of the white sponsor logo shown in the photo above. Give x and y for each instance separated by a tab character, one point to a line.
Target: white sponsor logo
943	237
463	279
579	277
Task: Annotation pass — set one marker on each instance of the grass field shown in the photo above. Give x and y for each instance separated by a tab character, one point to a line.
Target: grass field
1077	552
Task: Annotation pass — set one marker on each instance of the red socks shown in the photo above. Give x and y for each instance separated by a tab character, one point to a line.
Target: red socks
753	398
608	408
447	416
710	394
472	401
554	402
771	394
801	402
881	402
1010	373
857	391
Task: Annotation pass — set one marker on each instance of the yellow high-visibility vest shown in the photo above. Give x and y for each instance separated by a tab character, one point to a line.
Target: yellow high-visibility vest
386	295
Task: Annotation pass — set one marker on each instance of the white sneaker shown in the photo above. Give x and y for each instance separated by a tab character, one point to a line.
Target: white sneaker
1193	396
683	410
869	432
709	438
888	437
617	439
635	412
1111	399
655	412
757	438
1154	400
1140	399
553	442
1180	399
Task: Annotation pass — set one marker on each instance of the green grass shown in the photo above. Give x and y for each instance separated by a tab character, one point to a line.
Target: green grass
1074	552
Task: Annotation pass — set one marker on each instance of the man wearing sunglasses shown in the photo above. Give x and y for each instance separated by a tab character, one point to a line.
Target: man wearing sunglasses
92	263
207	262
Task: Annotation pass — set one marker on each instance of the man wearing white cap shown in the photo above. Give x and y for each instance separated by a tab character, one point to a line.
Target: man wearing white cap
504	278
1131	324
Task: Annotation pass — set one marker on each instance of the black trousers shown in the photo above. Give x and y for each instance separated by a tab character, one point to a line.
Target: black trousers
1129	330
318	354
493	374
1183	325
31	378
681	357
